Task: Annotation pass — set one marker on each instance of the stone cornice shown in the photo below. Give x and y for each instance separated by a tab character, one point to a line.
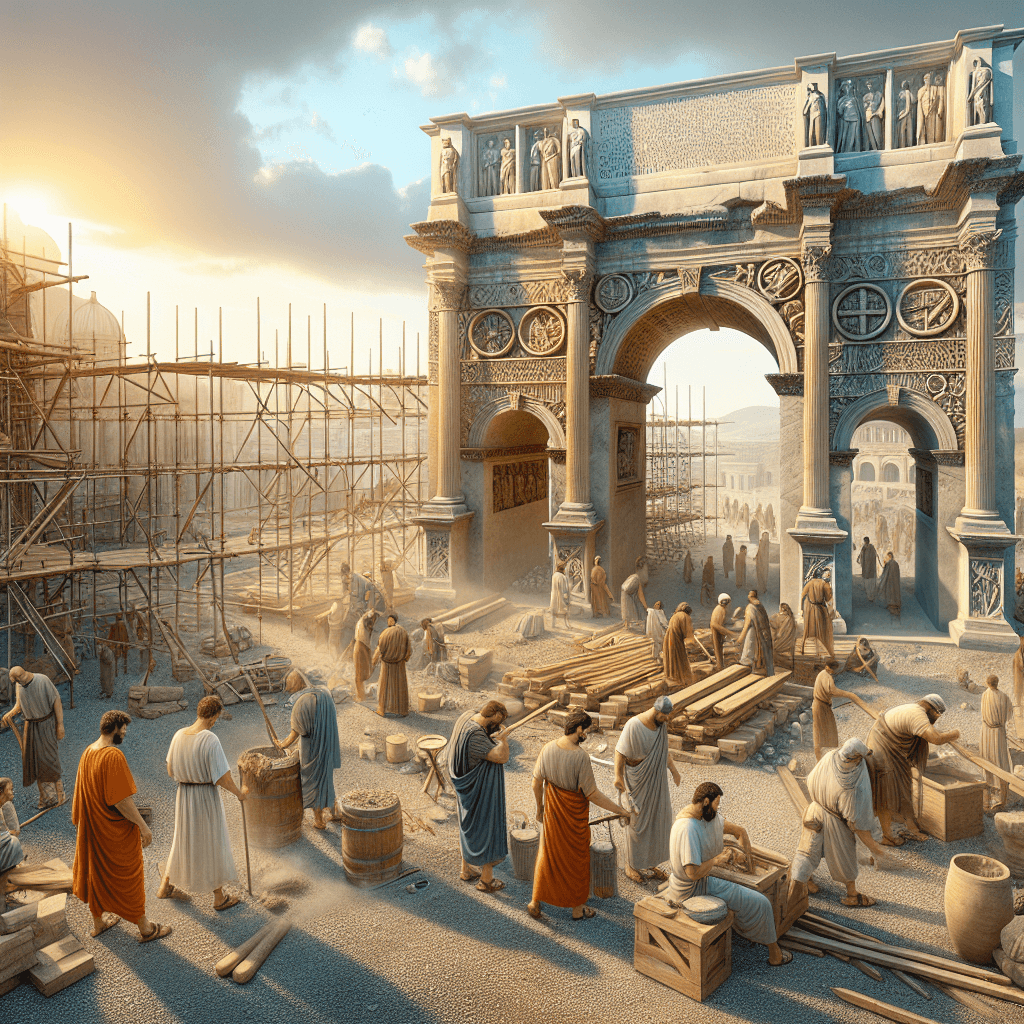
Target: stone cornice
432	235
517	451
843	458
611	385
575	223
791	384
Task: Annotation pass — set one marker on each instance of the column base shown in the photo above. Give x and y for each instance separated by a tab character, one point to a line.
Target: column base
575	516
981	624
574	544
446	535
818	534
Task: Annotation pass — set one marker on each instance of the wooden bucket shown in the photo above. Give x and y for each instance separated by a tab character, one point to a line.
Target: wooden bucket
396	747
273	809
523	844
371	840
603	869
429	701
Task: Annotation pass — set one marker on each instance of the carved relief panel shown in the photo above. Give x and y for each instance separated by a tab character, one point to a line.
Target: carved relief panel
543	156
438	548
571	552
496	164
919	99
860	114
628	449
518	483
986	587
924	480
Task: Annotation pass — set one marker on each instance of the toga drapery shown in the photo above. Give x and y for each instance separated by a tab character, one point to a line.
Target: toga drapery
393	651
675	660
480	791
647	783
316	722
40	759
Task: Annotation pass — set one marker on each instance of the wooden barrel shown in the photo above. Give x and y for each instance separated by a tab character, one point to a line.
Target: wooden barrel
396	747
273	810
371	837
603	874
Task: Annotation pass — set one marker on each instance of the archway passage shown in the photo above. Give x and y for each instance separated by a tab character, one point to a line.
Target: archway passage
899	494
511	483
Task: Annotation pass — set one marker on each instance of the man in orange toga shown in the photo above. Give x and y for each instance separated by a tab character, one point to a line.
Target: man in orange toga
109	874
564	788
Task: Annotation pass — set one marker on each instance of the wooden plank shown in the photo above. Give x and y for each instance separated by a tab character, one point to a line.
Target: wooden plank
51	977
913	984
704	707
794	790
799	947
696	691
887	1010
759	691
972	1002
942	963
968	982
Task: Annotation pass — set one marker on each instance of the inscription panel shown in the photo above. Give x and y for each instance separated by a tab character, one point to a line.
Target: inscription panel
695	131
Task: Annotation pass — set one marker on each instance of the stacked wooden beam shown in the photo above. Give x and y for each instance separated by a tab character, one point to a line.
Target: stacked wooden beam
459	618
37	948
826	936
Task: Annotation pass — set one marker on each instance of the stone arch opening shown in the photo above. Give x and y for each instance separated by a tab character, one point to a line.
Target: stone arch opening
903	514
511	476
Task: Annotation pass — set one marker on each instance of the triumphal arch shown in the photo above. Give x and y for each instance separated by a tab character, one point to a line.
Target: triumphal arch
855	215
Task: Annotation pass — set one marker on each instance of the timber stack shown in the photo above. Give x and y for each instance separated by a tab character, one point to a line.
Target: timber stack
37	948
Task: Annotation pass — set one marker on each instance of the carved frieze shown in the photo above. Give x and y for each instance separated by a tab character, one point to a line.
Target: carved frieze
542	331
518	483
613	293
513	371
517	293
491	333
861	312
743	125
986	587
438	550
927	307
1004	303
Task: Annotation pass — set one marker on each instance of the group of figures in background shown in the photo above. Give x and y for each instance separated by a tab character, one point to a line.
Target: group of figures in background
735	514
894	528
920	111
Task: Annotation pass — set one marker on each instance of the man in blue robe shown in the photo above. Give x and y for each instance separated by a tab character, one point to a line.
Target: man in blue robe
315	723
476	759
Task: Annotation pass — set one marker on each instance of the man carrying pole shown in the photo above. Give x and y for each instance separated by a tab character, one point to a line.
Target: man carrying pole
200	859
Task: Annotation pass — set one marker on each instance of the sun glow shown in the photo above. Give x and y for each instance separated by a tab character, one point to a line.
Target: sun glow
31	206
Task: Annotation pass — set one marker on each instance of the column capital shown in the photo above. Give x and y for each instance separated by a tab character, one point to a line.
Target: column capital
577	283
447	295
844	457
786	383
978	249
814	259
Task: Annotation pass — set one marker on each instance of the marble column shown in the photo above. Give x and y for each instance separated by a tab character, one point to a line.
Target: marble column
445	518
816	337
577	397
983	536
980	383
448	298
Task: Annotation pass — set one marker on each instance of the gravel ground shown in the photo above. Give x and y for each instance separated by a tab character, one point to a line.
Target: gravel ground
449	952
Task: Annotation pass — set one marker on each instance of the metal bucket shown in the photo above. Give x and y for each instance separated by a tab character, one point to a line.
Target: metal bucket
523	844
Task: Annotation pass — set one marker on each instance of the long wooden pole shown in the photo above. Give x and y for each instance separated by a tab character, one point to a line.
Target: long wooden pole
245	839
530	717
887	1010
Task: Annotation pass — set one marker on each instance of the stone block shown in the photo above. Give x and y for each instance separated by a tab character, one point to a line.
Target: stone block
368	751
60	965
710	753
1013	970
21	917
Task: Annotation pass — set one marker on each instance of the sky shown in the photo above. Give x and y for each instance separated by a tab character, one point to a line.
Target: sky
211	152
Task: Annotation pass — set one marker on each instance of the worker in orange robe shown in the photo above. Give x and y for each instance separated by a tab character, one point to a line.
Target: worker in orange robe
109	872
564	788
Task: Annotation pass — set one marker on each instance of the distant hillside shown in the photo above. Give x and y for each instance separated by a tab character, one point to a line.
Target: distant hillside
752	423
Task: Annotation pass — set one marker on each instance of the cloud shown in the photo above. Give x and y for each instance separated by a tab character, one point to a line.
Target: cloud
373	40
498	81
428	76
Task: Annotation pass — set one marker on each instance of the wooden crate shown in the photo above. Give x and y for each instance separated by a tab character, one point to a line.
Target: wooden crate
692	958
771	877
473	668
952	808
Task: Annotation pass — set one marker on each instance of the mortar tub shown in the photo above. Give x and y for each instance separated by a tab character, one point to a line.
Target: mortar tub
371	841
273	810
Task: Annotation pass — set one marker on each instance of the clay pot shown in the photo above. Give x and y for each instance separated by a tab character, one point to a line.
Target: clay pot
979	903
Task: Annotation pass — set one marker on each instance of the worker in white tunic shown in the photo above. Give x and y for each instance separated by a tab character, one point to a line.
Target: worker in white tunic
840	789
656	626
642	766
200	859
698	847
559	606
996	709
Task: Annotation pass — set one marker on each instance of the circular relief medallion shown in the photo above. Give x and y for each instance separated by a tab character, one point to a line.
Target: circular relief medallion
542	331
492	333
613	293
926	308
861	312
780	280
